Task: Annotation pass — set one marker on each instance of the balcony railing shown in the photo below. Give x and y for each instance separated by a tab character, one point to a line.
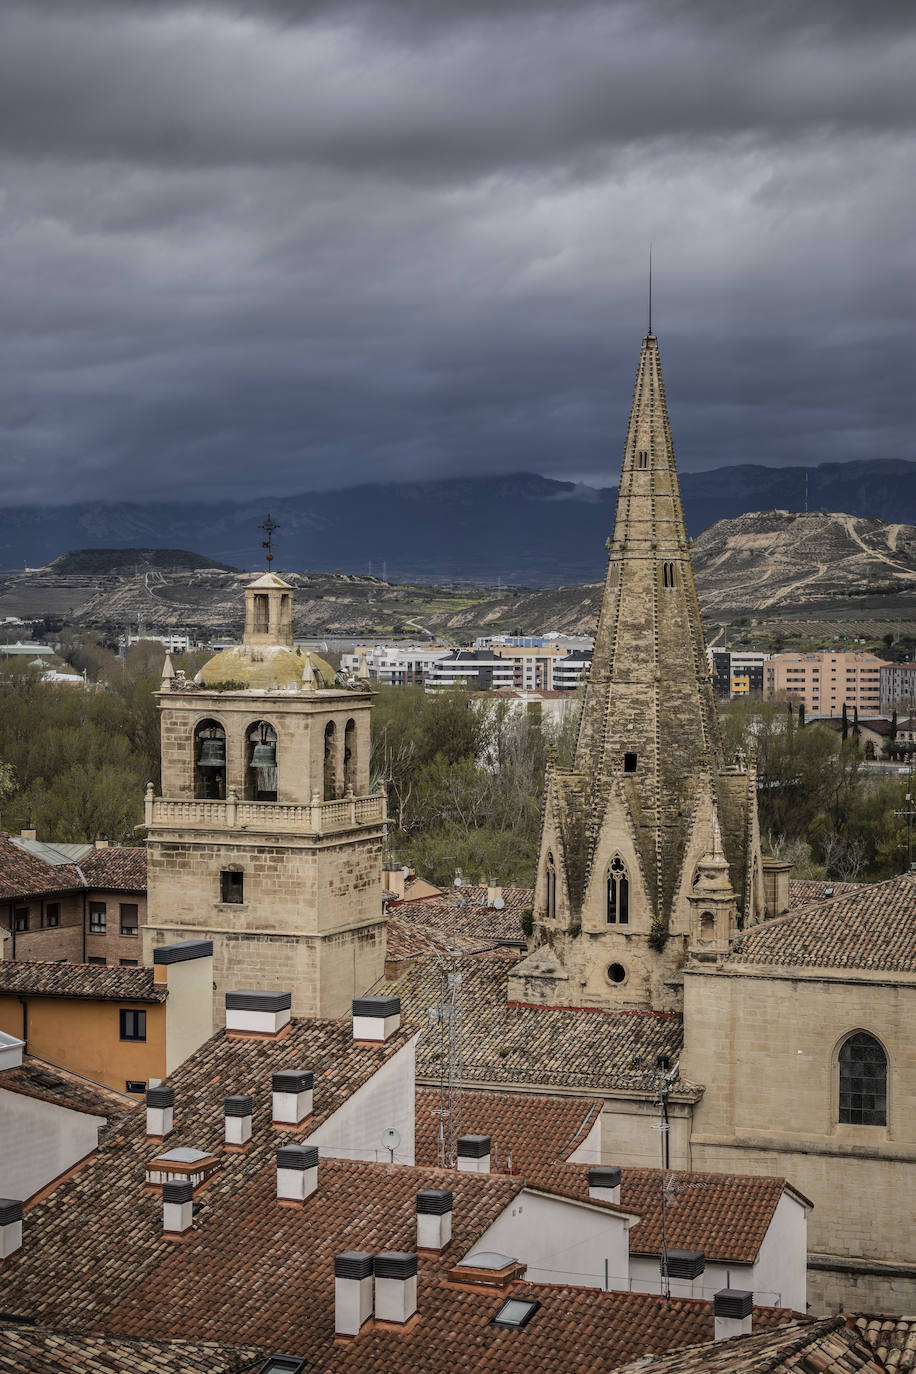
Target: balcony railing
316	818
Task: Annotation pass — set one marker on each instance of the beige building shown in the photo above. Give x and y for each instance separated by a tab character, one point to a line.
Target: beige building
824	682
650	847
266	838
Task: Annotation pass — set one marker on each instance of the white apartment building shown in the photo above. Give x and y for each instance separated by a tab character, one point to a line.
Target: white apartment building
395	665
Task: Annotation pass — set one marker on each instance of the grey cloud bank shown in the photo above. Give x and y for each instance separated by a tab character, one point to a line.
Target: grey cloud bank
250	249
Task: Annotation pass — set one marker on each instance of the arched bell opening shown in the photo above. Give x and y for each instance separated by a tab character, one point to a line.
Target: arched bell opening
210	761
330	761
350	759
261	762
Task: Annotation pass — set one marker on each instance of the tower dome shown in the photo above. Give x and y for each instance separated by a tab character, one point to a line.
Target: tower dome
266	659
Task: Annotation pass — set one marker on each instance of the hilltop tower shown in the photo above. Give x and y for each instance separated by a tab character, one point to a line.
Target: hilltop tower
267	838
650	847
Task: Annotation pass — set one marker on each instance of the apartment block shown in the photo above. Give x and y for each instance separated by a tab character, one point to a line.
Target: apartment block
736	673
826	682
898	687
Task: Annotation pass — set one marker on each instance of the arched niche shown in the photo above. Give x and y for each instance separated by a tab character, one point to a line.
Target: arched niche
330	761
261	762
350	758
209	760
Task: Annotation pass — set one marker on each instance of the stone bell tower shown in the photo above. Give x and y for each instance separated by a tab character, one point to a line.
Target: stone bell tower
650	846
267	838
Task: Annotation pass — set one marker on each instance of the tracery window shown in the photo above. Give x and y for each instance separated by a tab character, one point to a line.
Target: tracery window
863	1081
618	893
668	575
551	888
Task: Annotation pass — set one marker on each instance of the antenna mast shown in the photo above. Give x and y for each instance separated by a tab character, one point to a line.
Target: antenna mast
269	527
650	289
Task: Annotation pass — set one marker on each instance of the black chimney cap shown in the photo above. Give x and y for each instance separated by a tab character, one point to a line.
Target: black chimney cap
353	1264
238	1106
395	1264
292	1081
10	1210
435	1202
601	1177
733	1302
160	1097
686	1264
246	999
178	1191
379	1007
297	1157
473	1146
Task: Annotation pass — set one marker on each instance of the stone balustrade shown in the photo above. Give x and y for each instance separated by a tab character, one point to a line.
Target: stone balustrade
316	818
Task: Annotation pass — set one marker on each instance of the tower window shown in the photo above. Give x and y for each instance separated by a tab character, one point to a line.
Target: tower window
618	894
261	613
261	759
210	760
668	575
551	888
330	761
863	1081
629	763
232	886
642	458
616	973
350	756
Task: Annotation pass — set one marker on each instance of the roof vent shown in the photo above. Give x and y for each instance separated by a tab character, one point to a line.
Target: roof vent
257	1013
182	1165
297	1172
376	1018
685	1264
487	1269
352	1291
160	1111
10	1226
604	1184
473	1154
238	1112
434	1218
292	1092
733	1309
177	1208
395	1286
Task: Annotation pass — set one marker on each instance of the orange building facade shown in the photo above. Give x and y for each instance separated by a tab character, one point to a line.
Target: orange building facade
825	682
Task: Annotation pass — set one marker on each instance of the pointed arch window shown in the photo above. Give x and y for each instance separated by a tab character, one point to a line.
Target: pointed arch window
863	1081
330	761
350	759
551	888
618	893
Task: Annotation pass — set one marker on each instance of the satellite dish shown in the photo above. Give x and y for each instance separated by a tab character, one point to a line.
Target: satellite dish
498	903
391	1139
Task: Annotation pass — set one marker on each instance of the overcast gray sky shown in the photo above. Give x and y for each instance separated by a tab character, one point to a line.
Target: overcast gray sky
286	244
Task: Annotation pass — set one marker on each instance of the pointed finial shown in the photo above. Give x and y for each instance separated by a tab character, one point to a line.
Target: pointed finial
363	667
168	672
716	835
308	673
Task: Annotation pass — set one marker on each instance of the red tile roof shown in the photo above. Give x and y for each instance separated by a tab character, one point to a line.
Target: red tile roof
118	868
893	1340
871	928
80	980
808	891
823	1347
537	1131
63	1088
27	1350
466	914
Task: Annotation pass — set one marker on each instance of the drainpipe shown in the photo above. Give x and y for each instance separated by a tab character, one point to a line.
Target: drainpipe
25	1024
85	885
13	927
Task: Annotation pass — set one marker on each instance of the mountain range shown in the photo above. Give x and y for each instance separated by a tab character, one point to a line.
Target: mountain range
521	529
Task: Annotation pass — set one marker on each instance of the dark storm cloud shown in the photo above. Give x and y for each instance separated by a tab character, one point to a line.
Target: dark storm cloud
263	247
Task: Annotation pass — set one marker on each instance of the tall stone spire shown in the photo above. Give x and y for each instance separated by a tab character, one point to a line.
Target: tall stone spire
624	831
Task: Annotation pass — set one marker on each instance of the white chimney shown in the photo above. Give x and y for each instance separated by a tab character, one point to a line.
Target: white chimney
395	1286
160	1111
494	895
434	1218
352	1291
10	1226
733	1308
257	1013
238	1112
604	1184
376	1018
473	1154
292	1096
297	1172
177	1207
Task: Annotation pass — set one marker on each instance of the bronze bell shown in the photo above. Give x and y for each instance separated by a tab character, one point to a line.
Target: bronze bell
212	753
264	755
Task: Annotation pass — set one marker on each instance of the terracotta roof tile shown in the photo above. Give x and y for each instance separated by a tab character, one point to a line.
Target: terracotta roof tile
39	1079
503	1043
822	1347
80	980
465	912
807	891
871	928
537	1131
29	1350
893	1340
120	868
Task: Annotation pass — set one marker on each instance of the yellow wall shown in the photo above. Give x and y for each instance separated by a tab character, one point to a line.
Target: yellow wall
85	1036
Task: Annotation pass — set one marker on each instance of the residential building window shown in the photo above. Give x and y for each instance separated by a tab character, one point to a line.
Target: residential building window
98	959
618	893
133	1025
232	886
129	963
863	1081
52	914
21	918
130	918
551	888
98	918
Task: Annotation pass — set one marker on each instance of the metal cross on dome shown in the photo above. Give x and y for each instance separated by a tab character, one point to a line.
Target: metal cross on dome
269	526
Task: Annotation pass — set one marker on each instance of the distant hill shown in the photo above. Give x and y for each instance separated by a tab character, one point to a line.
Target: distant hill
521	529
127	561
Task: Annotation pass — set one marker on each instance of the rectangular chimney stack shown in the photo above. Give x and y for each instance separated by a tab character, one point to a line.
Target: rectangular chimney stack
177	1208
238	1113
434	1218
395	1286
160	1112
473	1154
376	1018
352	1291
297	1172
257	1013
10	1226
604	1184
733	1309
292	1096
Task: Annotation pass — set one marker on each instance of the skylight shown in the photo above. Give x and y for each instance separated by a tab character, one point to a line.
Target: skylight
516	1313
283	1364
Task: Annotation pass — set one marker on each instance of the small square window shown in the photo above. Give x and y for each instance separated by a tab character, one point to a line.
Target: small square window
129	963
133	1024
98	918
52	914
98	959
232	886
129	918
629	763
516	1313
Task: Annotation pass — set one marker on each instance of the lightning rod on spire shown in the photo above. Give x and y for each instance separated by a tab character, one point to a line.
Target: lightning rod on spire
650	290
